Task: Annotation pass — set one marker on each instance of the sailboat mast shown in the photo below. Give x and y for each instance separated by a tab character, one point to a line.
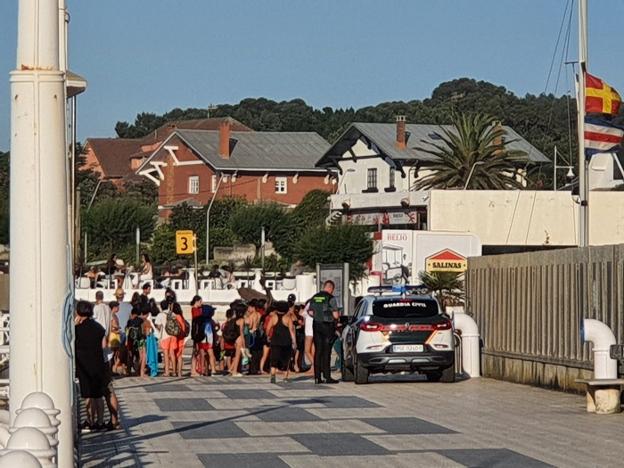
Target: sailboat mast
580	104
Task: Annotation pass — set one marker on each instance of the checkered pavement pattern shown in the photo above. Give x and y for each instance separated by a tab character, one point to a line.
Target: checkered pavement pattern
248	422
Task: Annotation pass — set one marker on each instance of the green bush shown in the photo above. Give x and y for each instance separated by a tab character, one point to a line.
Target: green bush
336	244
247	222
111	224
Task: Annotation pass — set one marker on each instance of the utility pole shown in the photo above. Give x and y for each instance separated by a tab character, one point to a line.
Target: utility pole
40	290
580	103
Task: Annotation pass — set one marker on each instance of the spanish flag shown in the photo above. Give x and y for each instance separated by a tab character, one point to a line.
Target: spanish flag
600	98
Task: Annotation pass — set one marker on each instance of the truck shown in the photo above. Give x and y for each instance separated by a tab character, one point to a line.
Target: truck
400	255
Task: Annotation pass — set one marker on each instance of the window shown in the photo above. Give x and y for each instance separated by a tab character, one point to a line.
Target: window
213	184
372	179
391	179
281	184
193	184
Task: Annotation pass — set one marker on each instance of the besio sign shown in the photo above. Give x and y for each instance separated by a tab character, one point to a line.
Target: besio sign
446	260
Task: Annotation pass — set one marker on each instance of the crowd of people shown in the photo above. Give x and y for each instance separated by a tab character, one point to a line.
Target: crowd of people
146	339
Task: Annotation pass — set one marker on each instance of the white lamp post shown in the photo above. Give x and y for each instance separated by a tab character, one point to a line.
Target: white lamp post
40	352
214	195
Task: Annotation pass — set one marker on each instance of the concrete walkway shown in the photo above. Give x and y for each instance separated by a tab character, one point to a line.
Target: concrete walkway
230	422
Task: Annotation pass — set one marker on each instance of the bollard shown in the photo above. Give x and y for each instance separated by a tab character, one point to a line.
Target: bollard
471	359
35	417
43	402
19	458
602	338
32	441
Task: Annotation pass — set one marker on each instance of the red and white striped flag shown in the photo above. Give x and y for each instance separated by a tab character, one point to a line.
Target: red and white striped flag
601	136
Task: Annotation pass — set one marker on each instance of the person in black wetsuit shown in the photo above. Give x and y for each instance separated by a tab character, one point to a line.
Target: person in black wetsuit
281	329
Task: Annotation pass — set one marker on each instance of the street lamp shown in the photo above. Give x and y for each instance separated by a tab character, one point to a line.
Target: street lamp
569	175
478	163
214	195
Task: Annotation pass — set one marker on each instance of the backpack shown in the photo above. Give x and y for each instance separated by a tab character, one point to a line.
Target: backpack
230	331
198	330
134	333
172	326
186	330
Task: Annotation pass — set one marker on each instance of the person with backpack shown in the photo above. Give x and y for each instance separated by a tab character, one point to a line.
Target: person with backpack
179	329
233	335
134	339
197	335
164	338
282	331
228	346
206	340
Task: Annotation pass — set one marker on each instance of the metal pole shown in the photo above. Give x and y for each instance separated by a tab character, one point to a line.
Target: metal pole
214	195
196	269
40	346
478	163
262	241
555	171
97	187
582	162
138	244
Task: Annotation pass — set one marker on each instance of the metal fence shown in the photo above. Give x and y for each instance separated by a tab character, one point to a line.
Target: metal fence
530	306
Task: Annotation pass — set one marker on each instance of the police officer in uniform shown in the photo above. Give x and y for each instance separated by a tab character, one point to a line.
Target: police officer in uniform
323	308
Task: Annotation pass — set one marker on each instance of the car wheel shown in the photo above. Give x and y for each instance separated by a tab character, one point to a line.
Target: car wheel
448	374
433	376
347	374
361	372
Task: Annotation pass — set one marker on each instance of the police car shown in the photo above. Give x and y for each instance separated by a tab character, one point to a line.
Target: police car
397	332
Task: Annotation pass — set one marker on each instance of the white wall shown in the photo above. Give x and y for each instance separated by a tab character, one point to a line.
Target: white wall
355	172
526	217
602	167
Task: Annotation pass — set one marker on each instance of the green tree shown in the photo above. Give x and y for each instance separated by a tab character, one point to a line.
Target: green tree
473	151
142	190
312	211
111	224
448	286
336	244
163	248
247	222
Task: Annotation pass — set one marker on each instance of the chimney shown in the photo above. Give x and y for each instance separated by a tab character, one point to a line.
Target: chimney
401	141
224	138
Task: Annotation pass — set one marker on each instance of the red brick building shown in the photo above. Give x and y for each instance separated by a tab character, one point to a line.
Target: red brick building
118	158
194	165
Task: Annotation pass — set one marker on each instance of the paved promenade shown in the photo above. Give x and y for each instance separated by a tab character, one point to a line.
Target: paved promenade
229	422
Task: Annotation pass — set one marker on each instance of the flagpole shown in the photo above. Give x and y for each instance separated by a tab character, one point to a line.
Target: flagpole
582	161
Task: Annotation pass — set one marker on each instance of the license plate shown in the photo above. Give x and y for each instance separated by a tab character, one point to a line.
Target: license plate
408	348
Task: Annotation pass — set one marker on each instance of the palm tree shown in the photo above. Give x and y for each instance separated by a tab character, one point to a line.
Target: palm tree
474	143
447	286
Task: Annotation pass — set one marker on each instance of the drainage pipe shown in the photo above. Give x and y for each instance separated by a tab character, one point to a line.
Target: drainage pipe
602	338
469	343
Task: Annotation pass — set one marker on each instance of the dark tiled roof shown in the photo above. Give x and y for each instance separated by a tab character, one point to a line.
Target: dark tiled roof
165	130
259	150
383	136
113	154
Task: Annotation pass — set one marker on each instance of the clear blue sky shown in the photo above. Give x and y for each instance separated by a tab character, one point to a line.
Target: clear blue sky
154	55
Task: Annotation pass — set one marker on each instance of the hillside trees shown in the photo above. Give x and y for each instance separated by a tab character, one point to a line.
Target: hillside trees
544	120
